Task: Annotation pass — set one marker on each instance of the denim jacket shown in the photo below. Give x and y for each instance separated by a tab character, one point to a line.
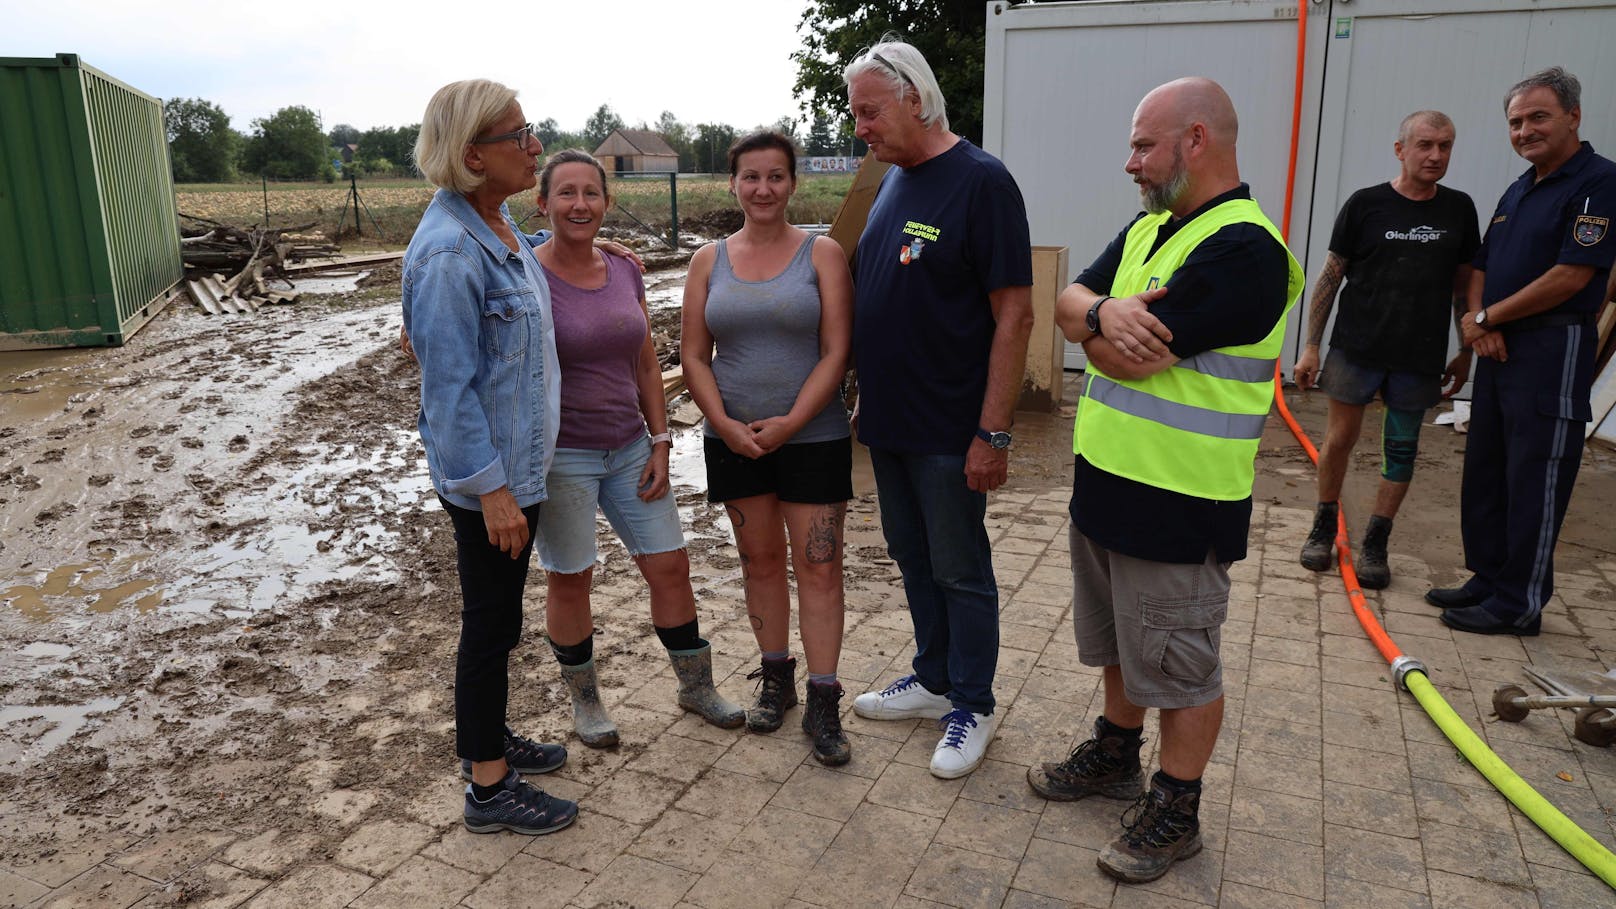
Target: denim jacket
478	316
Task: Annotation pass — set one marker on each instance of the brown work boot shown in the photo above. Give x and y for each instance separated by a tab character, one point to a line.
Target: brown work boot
1163	829
1105	765
1320	545
777	693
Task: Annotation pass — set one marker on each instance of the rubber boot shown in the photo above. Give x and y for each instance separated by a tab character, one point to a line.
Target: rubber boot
1320	545
589	718
822	721
777	693
1373	572
696	692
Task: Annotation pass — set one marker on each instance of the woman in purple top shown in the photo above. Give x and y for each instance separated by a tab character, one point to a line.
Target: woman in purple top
611	393
768	316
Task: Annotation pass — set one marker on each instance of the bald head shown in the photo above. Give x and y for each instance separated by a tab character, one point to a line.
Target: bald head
1183	145
1182	103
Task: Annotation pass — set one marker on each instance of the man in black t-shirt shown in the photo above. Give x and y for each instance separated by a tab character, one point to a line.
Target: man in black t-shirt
1404	249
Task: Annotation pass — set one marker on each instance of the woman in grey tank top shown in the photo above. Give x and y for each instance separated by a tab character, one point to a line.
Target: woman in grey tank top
776	304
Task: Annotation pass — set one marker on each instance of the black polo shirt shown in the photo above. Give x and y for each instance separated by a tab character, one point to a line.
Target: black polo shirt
1564	219
1230	290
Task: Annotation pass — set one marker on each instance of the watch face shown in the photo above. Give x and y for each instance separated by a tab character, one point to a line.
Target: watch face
999	439
1481	317
1092	320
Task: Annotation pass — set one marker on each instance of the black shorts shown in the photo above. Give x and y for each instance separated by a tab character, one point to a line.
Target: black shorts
809	473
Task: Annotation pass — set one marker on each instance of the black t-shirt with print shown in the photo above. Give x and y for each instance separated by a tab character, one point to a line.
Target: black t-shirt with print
1397	304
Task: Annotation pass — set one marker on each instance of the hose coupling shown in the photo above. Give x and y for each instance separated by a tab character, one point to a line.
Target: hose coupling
1404	665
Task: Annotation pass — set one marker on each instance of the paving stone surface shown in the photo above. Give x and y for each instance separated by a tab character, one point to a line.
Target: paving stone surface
1328	786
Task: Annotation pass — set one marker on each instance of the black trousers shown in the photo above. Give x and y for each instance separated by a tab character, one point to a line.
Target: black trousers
491	587
1521	459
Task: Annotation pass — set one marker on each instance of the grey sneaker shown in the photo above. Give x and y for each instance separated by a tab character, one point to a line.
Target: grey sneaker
1105	765
519	807
524	755
1162	829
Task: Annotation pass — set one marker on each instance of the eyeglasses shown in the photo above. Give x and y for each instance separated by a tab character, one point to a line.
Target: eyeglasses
888	64
523	137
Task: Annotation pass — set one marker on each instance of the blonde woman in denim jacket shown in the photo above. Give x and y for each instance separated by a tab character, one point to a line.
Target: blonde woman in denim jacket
477	315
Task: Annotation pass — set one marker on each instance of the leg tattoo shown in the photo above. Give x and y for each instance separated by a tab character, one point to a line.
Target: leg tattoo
822	534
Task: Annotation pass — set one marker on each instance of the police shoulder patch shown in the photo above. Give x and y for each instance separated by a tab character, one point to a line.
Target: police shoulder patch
1588	230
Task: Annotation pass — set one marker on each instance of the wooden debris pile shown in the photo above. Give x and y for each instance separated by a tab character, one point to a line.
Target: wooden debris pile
211	251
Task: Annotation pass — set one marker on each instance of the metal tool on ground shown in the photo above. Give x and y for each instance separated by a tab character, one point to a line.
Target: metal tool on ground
1592	695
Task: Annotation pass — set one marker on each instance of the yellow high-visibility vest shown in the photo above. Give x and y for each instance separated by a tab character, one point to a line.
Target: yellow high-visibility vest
1192	428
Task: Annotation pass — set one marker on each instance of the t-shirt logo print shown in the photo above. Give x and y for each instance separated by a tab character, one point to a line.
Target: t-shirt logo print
1422	234
1588	230
911	252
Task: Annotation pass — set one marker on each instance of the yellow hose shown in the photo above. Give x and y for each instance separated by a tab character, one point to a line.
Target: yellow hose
1573	839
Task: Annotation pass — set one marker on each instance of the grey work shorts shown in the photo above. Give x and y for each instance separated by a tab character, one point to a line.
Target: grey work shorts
1161	622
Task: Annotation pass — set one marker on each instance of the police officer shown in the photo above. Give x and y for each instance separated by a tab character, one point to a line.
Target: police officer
1540	278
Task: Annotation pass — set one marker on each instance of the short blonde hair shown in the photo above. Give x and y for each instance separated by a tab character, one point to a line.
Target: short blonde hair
457	113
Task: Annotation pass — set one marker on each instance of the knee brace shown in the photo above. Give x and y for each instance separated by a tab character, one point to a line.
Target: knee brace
1400	442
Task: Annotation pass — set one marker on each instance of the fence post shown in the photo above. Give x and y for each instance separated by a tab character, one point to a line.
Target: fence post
265	178
673	199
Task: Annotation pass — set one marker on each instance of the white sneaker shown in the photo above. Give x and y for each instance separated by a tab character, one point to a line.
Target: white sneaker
964	743
902	700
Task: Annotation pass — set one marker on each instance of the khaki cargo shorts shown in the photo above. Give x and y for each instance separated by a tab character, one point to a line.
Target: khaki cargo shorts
1161	622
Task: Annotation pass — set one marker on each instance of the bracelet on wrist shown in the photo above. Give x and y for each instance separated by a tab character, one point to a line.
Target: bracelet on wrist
662	437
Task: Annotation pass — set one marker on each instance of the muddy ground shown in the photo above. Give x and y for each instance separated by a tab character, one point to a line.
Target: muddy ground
228	601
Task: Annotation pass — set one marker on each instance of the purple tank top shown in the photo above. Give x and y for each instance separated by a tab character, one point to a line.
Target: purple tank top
599	335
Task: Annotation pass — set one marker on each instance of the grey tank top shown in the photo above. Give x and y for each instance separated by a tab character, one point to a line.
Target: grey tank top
766	335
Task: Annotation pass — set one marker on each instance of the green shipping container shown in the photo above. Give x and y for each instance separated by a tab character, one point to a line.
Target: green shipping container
89	243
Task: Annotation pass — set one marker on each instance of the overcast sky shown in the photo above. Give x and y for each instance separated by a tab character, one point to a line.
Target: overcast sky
376	64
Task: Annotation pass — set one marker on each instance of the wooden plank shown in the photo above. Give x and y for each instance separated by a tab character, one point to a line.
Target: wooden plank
855	211
343	262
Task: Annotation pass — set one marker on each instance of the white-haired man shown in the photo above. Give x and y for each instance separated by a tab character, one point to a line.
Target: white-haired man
943	310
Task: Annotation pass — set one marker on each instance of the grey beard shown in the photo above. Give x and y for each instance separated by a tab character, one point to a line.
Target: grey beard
1160	198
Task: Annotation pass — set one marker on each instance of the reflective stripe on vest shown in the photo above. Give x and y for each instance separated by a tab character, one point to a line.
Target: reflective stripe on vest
1192	428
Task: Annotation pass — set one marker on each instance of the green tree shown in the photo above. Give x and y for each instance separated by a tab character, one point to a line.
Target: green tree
548	131
388	150
202	147
821	135
678	137
343	134
711	147
288	145
949	32
600	125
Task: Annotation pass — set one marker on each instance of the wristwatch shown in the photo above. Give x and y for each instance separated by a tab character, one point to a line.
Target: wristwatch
999	440
1481	318
1092	320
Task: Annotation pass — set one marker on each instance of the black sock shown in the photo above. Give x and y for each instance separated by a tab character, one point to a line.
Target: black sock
1330	507
1121	732
1177	786
574	654
682	637
484	793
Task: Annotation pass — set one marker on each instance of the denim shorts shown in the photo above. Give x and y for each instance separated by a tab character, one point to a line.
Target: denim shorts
806	473
1351	382
583	478
1161	622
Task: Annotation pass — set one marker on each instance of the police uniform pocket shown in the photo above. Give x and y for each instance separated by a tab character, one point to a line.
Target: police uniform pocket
505	322
1181	637
1564	407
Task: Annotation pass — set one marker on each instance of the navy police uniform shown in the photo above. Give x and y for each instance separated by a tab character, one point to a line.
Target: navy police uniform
1528	412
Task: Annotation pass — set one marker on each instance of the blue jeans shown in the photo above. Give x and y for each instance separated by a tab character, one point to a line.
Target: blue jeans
935	532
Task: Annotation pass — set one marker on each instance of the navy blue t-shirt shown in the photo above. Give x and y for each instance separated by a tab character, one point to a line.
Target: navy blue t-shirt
1230	290
941	236
1565	218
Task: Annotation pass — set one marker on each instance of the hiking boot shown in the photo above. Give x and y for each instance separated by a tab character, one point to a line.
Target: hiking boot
696	692
1164	828
1105	765
964	743
821	720
519	807
776	693
589	718
1373	572
904	699
1320	545
524	755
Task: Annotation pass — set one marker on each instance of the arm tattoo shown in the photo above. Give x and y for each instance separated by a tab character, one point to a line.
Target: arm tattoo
822	529
1324	297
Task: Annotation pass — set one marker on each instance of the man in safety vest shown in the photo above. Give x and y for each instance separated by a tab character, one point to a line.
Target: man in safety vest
1182	319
